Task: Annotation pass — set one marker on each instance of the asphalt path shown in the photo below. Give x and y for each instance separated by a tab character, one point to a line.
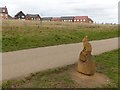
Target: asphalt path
23	62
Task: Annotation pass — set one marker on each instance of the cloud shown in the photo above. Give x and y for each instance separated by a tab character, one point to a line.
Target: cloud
98	10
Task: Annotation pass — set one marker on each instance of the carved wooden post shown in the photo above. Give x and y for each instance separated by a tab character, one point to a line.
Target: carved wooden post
85	63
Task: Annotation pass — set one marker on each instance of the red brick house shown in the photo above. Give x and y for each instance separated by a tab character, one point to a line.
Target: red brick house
33	17
4	13
83	19
56	19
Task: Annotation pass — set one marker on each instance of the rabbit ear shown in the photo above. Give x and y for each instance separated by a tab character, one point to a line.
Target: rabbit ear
86	36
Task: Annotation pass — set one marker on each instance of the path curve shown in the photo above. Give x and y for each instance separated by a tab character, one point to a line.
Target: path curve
21	63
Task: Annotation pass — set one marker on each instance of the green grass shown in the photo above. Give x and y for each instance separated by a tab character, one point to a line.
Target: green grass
107	63
18	35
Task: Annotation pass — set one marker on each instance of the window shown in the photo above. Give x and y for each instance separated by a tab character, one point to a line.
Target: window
75	20
3	10
22	16
81	20
90	22
6	15
84	20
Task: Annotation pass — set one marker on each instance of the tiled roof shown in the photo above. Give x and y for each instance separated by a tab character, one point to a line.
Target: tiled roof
56	19
9	16
81	17
46	18
20	13
67	17
32	15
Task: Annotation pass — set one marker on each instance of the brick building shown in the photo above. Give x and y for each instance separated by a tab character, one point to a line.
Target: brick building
33	17
83	19
4	13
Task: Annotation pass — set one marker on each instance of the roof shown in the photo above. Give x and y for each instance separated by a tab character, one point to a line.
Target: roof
90	19
46	18
3	8
10	17
67	17
20	13
81	17
56	19
32	15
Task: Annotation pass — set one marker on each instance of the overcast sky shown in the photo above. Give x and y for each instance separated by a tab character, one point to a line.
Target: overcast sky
105	11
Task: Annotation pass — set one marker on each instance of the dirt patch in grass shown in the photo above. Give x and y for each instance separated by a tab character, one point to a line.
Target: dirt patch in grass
94	81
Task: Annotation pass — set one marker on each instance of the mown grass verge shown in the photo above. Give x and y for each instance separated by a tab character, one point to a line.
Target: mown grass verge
107	63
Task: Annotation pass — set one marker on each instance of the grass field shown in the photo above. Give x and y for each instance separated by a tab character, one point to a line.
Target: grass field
18	34
107	63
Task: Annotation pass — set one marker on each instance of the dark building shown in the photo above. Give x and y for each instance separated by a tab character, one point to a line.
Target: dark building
20	15
46	19
3	12
67	19
83	19
33	17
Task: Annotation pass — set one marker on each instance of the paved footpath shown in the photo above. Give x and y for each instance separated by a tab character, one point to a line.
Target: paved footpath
21	63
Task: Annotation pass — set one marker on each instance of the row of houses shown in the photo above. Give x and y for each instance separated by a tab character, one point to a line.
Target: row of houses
20	15
81	19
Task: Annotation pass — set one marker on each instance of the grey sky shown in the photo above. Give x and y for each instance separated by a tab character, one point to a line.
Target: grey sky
98	10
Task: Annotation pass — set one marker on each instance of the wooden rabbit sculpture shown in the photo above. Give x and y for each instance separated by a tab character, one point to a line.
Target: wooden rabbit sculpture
85	63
